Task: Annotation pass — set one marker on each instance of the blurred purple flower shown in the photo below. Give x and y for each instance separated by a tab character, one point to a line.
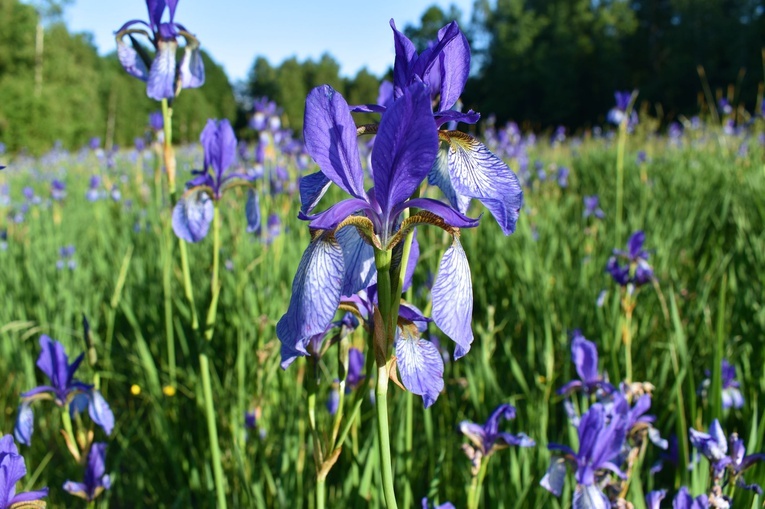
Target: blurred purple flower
57	190
637	271
93	193
487	438
731	388
618	113
96	479
584	354
591	207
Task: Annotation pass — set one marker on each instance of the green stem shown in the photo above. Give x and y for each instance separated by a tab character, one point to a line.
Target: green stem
66	420
169	154
474	494
187	288
381	402
621	146
321	485
627	338
408	463
212	430
168	295
215	284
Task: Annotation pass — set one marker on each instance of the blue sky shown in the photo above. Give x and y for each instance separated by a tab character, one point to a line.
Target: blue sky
234	32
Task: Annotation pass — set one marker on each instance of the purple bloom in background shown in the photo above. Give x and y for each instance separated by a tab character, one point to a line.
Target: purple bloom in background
140	144
96	479
427	505
12	469
637	272
562	177
618	113
731	388
355	366
164	77
584	354
600	443
684	500
93	193
156	121
57	190
94	143
54	362
591	207
654	498
263	111
193	213
66	255
487	438
714	447
725	106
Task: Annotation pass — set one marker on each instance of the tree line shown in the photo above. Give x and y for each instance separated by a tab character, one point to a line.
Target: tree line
542	62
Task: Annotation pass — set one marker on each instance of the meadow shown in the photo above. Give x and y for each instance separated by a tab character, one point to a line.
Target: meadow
697	195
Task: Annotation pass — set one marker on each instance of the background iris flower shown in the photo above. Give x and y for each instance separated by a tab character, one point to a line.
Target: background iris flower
193	213
12	469
164	78
96	479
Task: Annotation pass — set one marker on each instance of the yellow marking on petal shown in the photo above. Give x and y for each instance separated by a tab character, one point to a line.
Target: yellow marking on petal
32	504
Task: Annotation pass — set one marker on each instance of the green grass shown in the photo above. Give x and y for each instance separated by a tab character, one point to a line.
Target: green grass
702	208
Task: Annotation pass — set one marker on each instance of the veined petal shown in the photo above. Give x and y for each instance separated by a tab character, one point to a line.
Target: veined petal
252	211
312	188
590	497
131	61
405	147
453	298
330	138
156	8
25	424
192	68
421	367
444	211
219	144
454	64
12	470
100	411
478	173
439	176
315	292
53	361
330	218
358	259
162	73
192	216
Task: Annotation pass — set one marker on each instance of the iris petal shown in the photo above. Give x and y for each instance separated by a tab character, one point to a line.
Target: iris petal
252	211
330	137
312	188
358	259
590	497
162	73
192	68
192	216
405	147
478	173
453	298
584	353
330	218
315	293
421	367
439	176
555	477
131	61
25	424
100	412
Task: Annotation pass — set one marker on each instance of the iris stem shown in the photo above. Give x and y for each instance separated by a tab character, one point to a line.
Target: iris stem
476	487
321	485
66	420
628	306
212	430
204	364
381	402
620	148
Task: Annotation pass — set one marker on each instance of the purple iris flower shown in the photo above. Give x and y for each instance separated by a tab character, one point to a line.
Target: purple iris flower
653	499
164	77
156	121
584	353
96	479
263	111
57	190
618	113
487	438
731	388
465	167
12	469
591	207
355	367
637	271
339	261
94	143
562	177
714	447
93	193
54	362
725	106
193	213
600	443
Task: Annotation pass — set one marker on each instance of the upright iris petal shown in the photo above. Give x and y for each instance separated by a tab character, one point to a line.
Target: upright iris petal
96	480
12	469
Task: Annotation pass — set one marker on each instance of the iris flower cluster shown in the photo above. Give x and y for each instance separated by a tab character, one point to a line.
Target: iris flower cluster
164	77
637	271
409	148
